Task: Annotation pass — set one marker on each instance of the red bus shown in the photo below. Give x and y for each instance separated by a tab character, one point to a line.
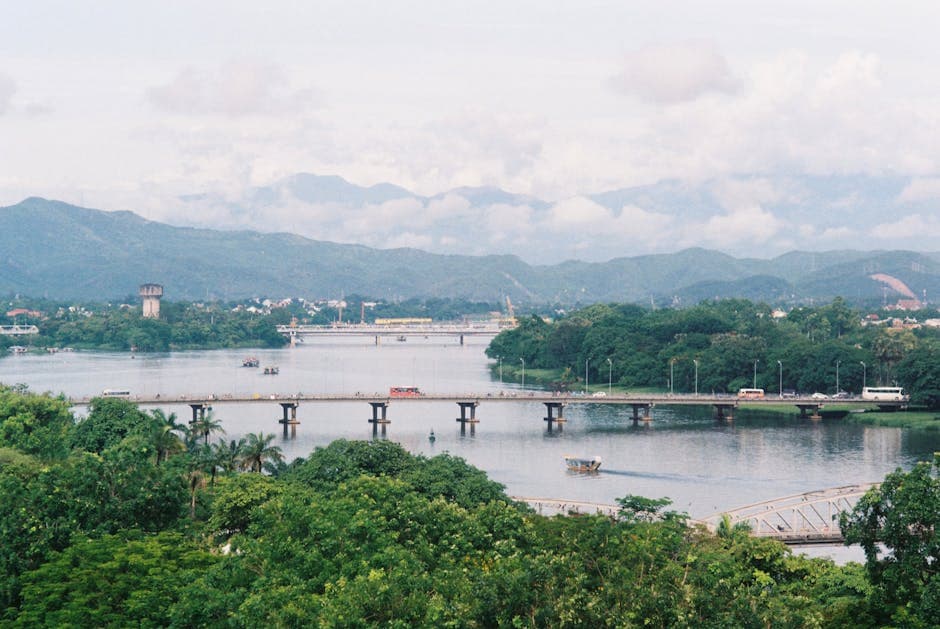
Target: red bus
405	392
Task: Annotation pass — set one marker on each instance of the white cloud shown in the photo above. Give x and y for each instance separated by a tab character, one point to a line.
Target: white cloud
236	88
676	73
653	227
7	90
506	222
912	226
921	189
579	213
740	229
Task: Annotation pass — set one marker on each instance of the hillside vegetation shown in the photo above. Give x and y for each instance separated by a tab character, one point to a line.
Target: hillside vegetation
52	249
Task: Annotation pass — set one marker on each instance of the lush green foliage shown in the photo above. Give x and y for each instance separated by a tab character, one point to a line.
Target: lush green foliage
133	528
725	345
903	514
179	327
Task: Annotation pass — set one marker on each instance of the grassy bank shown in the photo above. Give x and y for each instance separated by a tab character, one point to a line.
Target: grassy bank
917	420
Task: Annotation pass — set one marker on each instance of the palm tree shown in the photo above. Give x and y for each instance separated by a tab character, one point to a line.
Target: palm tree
257	450
204	426
163	434
221	456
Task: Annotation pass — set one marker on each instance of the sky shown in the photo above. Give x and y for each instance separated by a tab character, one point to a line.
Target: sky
128	105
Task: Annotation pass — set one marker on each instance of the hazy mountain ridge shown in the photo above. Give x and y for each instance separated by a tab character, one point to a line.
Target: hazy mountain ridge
54	249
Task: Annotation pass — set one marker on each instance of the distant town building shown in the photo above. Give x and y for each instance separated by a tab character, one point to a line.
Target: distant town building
23	312
151	294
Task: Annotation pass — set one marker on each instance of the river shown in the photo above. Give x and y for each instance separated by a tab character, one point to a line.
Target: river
684	454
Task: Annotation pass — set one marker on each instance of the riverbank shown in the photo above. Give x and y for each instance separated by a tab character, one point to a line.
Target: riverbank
918	419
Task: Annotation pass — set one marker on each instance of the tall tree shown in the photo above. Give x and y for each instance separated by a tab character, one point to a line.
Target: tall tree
257	450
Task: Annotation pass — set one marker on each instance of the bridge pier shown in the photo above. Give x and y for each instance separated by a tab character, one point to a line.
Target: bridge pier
461	339
472	419
378	339
379	416
199	411
807	407
292	421
551	408
647	412
725	411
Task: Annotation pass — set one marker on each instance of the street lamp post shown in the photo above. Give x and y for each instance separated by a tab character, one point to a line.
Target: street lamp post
586	373
500	359
864	372
672	365
780	383
695	361
838	362
756	360
610	374
523	372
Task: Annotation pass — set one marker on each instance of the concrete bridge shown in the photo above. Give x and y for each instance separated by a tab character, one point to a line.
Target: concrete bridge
18	330
467	404
399	331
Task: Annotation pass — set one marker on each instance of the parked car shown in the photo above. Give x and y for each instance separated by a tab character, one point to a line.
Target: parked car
819	396
599	394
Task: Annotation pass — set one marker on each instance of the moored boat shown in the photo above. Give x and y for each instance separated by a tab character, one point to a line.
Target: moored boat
250	361
271	371
577	464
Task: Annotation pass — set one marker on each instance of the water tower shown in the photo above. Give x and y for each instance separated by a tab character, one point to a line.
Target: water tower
151	294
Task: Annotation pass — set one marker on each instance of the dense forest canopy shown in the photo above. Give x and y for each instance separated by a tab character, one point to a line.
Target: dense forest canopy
724	345
127	517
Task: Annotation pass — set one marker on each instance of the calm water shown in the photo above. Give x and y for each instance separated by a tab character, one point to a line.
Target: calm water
702	465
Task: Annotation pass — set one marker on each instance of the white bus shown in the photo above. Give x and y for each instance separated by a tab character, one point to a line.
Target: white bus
115	393
884	394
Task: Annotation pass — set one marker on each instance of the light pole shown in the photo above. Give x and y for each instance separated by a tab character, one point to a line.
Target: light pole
586	373
864	372
695	361
523	372
500	359
838	362
672	365
756	360
610	374
780	383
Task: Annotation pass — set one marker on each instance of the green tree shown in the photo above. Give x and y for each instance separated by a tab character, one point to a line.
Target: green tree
109	421
903	514
258	450
111	581
35	424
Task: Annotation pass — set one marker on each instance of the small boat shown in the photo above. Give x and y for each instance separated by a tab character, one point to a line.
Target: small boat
401	338
17	349
431	437
250	361
576	464
271	371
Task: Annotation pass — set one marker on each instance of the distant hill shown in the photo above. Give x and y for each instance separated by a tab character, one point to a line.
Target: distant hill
57	250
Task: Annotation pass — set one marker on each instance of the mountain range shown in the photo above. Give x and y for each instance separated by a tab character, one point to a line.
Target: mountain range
56	250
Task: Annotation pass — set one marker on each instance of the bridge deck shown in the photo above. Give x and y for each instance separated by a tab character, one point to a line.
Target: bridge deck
501	396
